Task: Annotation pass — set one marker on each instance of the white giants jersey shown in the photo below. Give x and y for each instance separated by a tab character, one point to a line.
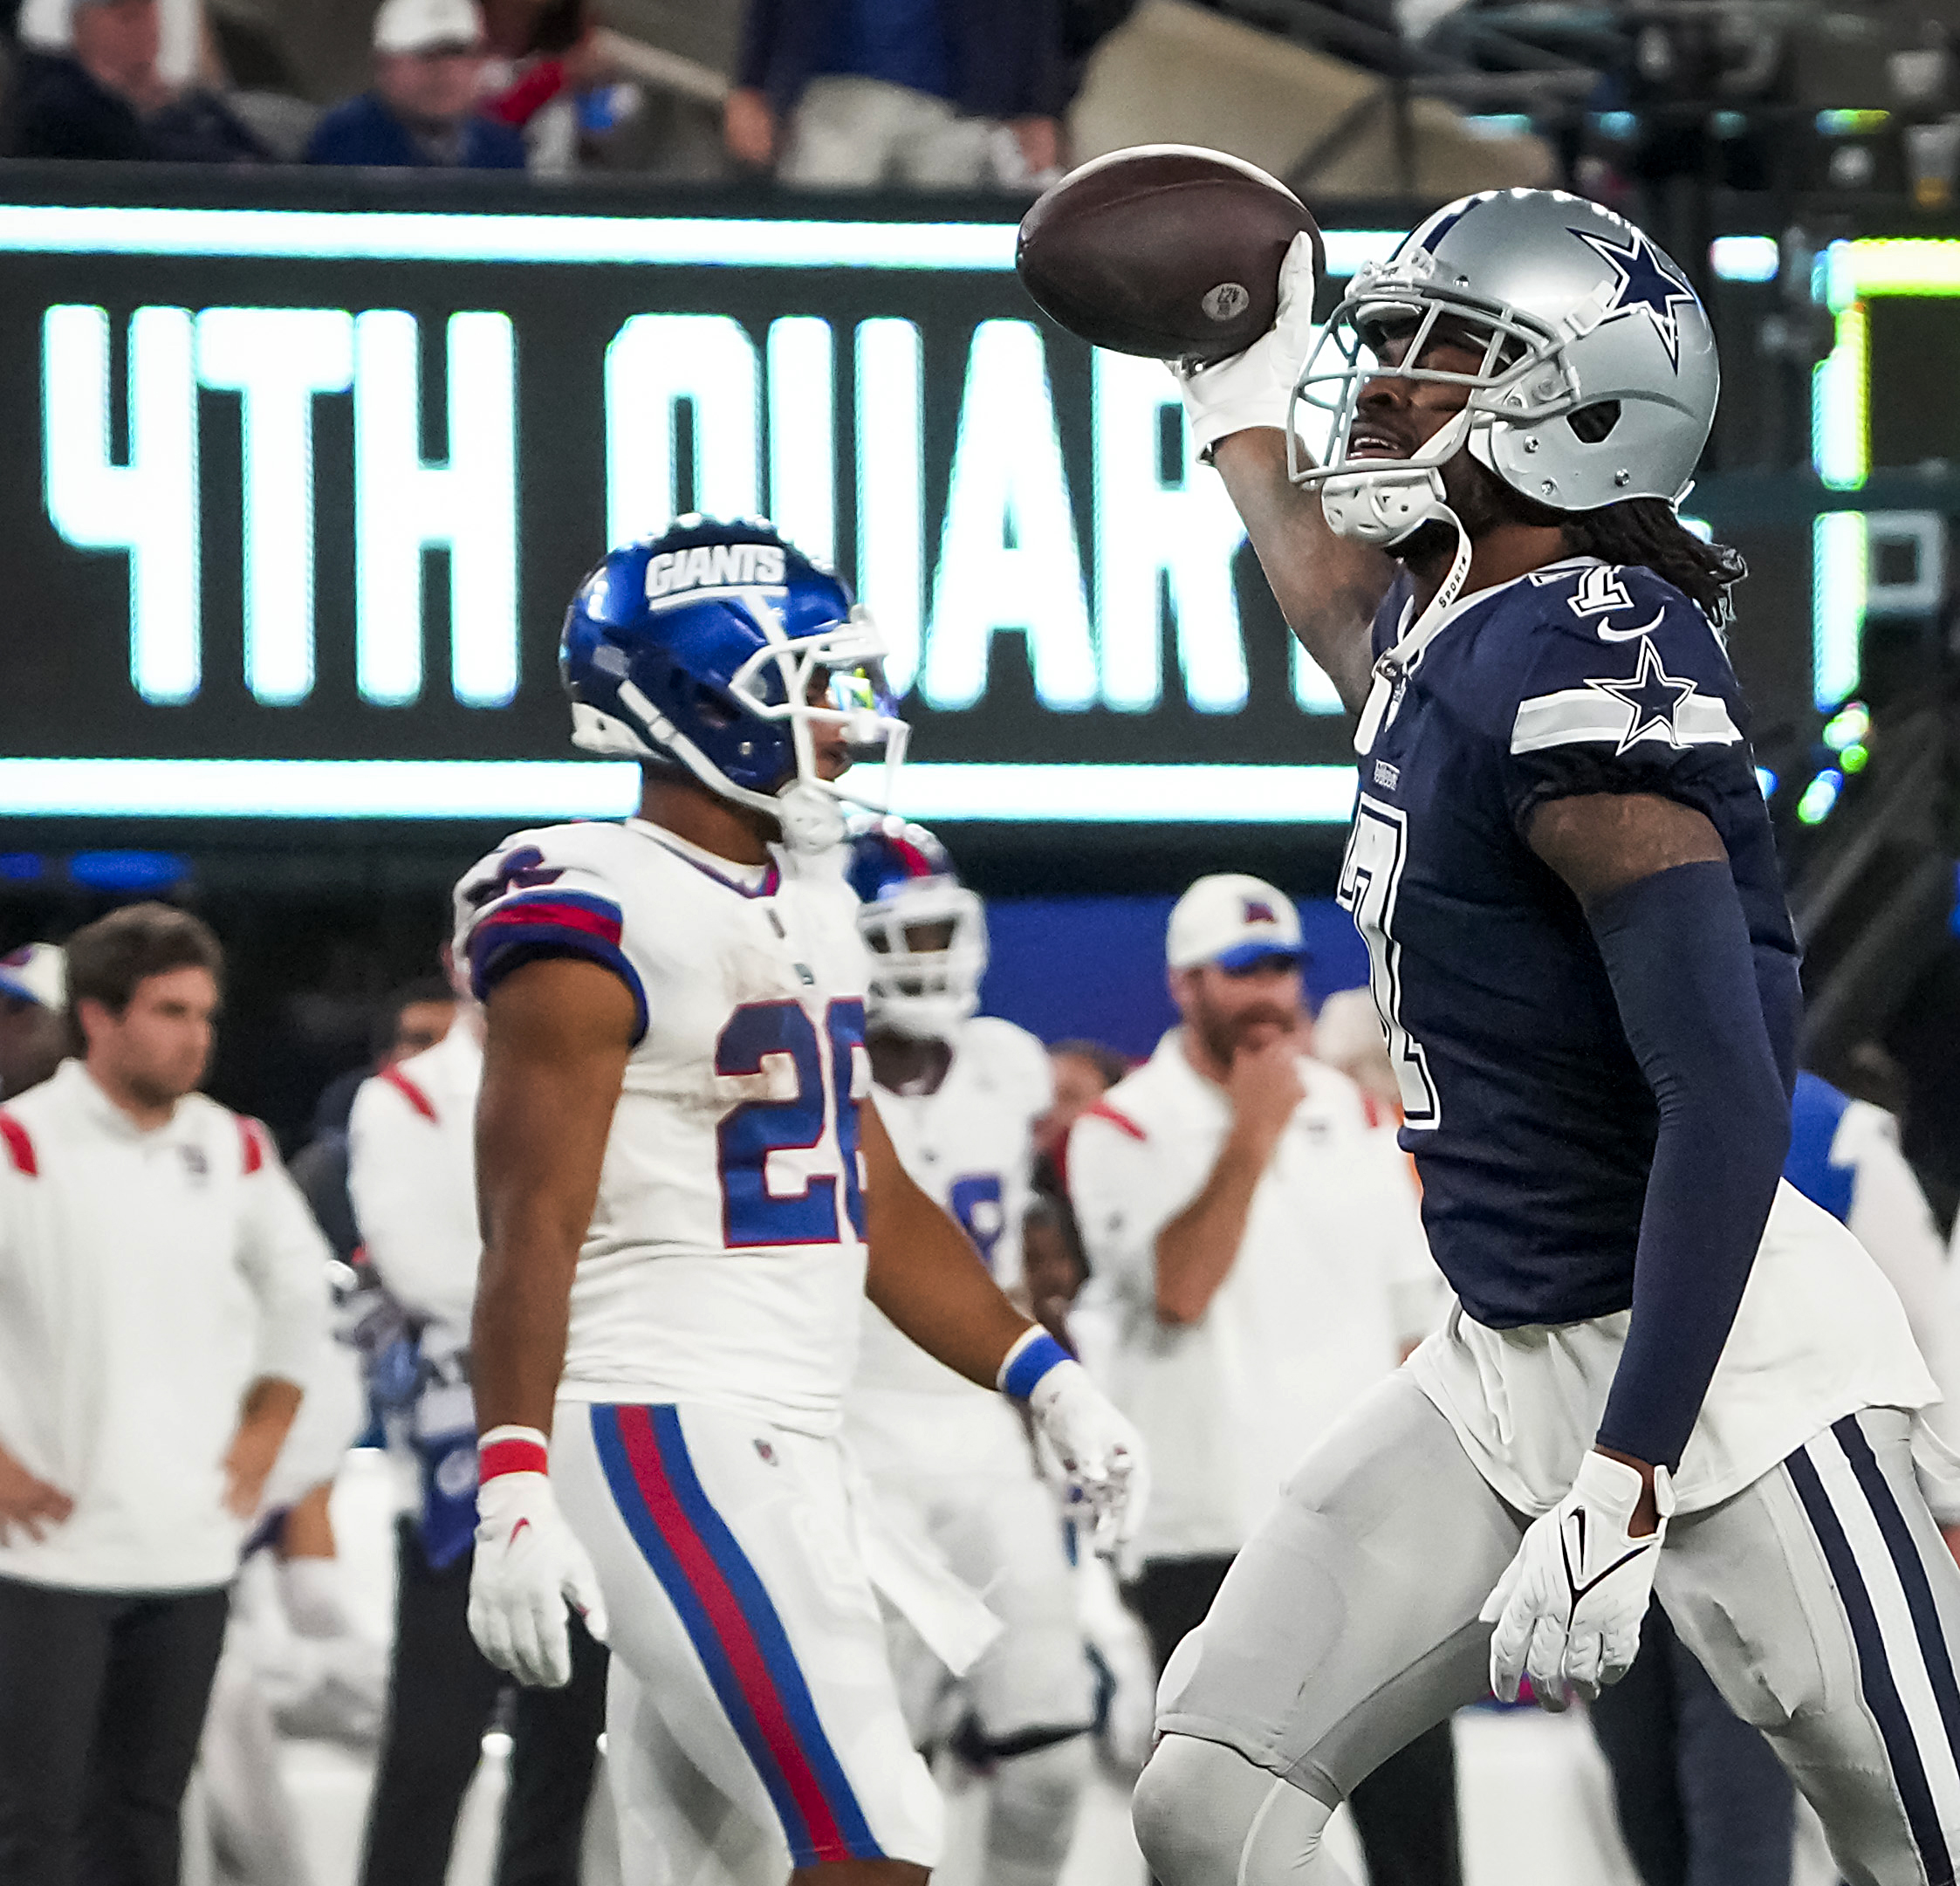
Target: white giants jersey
969	1147
725	1260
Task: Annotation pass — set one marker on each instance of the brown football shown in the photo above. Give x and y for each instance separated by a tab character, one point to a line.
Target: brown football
1164	249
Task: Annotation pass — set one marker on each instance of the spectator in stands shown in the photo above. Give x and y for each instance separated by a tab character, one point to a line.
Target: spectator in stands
943	94
104	98
422	111
32	1035
544	63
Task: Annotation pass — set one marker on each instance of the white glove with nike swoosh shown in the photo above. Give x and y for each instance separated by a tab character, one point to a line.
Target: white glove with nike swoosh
1569	1608
1255	388
529	1565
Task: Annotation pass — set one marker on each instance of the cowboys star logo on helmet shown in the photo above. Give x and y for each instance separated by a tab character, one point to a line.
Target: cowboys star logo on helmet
1645	285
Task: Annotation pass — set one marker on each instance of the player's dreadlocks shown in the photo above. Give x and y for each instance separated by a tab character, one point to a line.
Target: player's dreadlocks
1643	531
1646	530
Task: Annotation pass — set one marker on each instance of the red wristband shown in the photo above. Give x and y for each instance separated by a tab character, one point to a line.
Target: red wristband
511	1457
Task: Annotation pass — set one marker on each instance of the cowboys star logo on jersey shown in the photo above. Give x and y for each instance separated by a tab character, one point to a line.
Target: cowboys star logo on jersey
1644	286
1653	696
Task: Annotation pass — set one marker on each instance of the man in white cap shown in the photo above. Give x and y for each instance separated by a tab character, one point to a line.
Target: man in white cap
1259	1256
33	997
422	110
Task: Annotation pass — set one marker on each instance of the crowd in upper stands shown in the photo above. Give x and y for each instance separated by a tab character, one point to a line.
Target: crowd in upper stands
916	93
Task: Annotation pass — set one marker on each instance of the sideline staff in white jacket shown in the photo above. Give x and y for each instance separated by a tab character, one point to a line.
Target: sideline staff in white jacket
412	1176
1259	1257
163	1291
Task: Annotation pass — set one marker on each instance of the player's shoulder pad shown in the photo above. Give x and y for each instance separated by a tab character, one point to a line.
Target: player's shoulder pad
1012	1056
1612	656
557	890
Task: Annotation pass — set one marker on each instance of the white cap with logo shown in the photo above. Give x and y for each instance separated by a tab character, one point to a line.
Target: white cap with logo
36	972
1233	921
420	25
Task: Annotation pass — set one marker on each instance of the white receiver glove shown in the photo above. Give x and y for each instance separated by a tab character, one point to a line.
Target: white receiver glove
1568	1610
1101	1452
529	1567
1255	388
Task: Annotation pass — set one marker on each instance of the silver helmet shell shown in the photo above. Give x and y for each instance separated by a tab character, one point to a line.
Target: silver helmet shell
1580	316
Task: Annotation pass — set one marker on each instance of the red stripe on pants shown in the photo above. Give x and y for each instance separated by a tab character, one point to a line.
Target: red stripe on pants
731	1627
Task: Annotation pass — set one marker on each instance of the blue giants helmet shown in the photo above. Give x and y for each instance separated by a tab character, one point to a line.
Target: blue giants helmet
715	648
926	931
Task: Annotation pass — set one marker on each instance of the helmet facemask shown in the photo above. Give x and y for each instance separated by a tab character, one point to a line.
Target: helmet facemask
1522	378
927	940
833	677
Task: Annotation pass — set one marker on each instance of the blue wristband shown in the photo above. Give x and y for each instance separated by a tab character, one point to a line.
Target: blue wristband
1030	1359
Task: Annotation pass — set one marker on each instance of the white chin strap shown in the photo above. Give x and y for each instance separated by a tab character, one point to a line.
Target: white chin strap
1393	666
1392	498
1385	505
811	821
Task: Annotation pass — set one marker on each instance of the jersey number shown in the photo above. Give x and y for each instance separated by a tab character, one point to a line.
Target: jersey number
1370	876
976	1203
751	1214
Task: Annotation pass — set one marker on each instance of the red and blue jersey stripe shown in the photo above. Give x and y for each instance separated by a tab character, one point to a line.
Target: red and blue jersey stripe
551	923
735	1628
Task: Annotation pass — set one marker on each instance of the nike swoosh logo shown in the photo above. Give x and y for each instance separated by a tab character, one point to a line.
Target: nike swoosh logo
1631	635
518	1530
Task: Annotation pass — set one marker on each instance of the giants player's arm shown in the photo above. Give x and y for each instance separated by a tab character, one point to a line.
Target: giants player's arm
924	1273
554	1054
1328	586
1653	877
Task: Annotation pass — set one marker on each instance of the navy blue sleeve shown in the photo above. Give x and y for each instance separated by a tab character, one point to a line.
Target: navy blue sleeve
1676	949
1625	688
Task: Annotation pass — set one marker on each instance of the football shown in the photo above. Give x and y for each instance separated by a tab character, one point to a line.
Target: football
1165	250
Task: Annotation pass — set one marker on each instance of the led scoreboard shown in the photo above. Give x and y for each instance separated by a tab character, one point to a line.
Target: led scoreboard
294	494
294	497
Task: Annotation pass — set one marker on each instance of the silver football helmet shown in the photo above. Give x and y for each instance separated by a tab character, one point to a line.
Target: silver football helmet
1598	381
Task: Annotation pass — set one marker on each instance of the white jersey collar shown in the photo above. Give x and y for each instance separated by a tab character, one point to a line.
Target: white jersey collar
749	878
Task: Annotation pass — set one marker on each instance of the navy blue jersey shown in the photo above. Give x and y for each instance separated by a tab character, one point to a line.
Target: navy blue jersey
1530	1120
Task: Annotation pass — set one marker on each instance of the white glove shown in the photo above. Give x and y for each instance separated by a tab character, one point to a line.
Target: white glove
1255	388
1101	1452
529	1567
310	1590
1568	1610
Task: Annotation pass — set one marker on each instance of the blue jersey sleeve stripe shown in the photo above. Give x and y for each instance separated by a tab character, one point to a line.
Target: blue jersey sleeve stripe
497	949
